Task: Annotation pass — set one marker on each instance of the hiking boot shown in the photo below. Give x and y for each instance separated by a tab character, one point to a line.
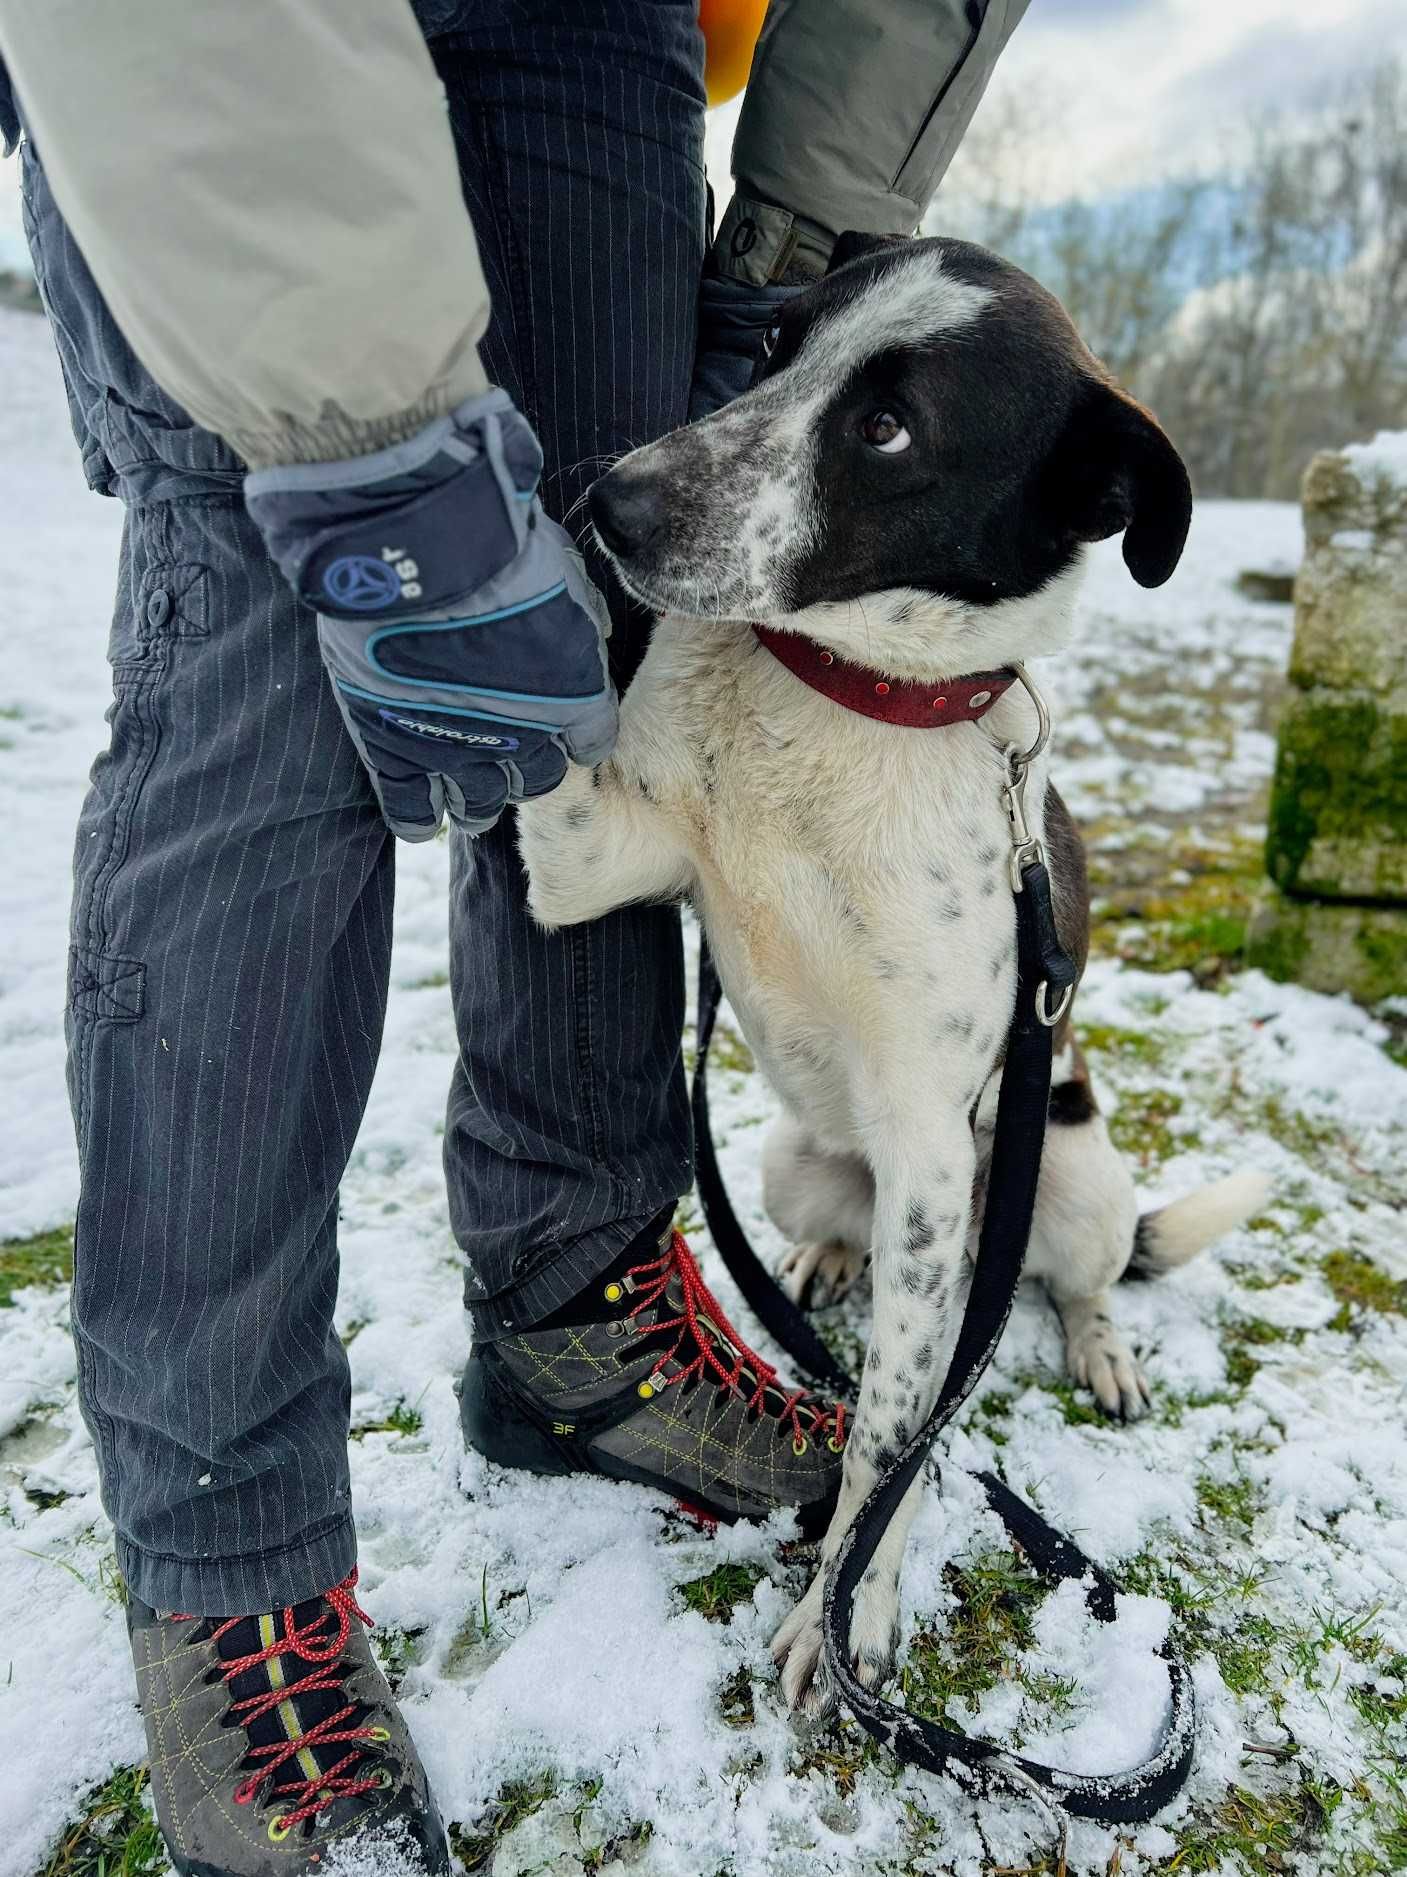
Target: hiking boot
274	1739
644	1378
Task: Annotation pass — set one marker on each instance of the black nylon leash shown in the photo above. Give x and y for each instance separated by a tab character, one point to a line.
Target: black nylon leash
1127	1797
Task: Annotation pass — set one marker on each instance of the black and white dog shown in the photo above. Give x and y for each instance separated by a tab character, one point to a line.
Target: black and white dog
902	499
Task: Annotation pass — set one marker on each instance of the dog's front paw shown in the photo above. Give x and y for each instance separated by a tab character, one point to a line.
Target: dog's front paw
798	1647
556	839
1100	1360
817	1275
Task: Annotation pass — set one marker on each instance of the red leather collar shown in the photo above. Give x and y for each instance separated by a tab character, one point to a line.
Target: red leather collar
915	704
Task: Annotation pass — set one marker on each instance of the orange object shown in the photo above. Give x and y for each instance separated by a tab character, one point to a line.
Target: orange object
730	29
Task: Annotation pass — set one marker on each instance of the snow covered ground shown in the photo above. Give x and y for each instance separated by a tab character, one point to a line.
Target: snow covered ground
587	1672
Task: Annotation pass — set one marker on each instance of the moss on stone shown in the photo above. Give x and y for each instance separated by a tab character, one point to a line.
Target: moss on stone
1340	790
1330	945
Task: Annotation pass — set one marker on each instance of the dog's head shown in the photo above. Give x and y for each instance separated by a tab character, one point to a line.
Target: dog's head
925	452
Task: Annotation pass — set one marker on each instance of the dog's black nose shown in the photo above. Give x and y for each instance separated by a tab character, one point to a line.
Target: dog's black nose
627	512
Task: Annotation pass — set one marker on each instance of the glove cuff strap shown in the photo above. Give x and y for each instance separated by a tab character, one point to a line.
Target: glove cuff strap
761	245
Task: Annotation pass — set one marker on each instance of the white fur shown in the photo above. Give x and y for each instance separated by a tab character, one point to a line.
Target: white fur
1176	1232
874	992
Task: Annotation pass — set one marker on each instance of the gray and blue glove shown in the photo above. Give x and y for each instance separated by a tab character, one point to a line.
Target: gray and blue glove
465	642
734	321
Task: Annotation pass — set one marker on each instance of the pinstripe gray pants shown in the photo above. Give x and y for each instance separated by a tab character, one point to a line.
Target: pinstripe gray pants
233	880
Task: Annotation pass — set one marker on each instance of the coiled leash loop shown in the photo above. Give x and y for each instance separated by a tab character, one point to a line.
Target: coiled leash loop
1043	968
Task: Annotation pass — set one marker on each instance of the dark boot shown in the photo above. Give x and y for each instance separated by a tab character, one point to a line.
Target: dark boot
275	1738
643	1378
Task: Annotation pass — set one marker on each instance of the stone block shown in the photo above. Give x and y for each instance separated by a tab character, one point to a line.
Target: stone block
1338	802
1351	591
1329	946
1338	805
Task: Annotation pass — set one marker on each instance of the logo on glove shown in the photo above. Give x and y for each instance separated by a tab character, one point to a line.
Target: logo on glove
358	584
442	732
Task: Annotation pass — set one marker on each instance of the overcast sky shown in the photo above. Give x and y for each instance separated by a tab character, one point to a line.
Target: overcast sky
1146	88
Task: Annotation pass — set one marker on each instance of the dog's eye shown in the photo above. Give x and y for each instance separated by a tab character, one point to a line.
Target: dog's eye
770	338
883	431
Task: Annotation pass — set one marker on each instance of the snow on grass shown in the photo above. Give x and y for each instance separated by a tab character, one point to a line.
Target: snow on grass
586	1671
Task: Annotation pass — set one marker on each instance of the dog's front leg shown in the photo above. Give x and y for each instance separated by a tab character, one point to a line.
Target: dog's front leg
596	844
923	1189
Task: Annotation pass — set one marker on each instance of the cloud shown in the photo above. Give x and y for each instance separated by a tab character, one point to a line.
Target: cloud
1124	93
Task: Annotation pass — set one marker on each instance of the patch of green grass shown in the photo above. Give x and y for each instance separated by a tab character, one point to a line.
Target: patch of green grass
1383	1701
432	981
1244	1653
1054	1694
841	1755
1209	1615
989	1412
1147	915
1141	1125
845	1344
1235	1502
1240	1335
1329	1630
1077	1407
728	1051
517	1799
1107	1039
716	1594
46	1258
1261	1832
977	1643
116	1835
735	1699
398	1650
1359	1284
1303	1136
403	1420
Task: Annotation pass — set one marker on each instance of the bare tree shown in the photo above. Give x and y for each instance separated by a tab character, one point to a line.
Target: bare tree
1262	312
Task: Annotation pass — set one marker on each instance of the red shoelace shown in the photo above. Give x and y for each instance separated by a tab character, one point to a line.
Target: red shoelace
316	1644
703	1323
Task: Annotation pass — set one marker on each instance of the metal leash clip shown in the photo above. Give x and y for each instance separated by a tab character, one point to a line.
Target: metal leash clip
1026	850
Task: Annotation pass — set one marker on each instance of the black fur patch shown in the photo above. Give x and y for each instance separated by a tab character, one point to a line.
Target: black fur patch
1072	1103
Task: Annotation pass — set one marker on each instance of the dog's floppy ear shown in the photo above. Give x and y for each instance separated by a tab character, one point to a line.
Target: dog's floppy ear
854	244
1115	472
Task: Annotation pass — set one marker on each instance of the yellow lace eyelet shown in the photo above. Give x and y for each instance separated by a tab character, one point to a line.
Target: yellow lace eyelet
836	1446
645	1392
279	1828
799	1445
385	1779
379	1733
614	1293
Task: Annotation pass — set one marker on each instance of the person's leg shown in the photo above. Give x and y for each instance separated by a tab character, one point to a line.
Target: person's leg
230	944
597	1345
580	135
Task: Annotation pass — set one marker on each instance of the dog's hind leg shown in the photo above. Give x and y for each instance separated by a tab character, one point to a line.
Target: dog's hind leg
824	1203
1081	1237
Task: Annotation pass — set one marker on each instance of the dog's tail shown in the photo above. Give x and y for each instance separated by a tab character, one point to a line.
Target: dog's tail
1175	1233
